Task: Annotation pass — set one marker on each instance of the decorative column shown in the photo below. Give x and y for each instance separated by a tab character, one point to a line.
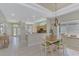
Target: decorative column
56	28
22	32
48	26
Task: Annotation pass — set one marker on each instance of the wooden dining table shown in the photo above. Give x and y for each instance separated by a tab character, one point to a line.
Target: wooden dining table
4	41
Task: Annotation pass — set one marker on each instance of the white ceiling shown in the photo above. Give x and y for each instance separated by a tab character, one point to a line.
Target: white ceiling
70	17
26	12
19	12
54	6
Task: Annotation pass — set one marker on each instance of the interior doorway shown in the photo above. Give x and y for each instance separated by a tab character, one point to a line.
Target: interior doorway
15	33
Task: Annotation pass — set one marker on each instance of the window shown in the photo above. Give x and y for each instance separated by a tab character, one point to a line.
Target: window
2	28
15	30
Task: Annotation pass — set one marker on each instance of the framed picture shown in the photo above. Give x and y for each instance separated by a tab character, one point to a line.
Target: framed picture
42	28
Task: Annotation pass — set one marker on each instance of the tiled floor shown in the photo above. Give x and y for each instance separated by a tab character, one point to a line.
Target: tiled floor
18	47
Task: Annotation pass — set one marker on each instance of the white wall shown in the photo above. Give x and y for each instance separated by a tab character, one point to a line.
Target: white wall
29	28
70	29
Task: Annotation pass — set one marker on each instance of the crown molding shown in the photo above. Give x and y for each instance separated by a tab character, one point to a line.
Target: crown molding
69	22
63	11
60	12
38	8
68	9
